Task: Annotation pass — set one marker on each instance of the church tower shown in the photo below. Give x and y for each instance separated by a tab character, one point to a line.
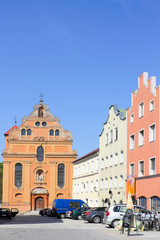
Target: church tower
37	162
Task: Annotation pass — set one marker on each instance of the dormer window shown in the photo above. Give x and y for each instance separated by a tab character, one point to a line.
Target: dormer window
57	132
51	132
40	112
28	132
23	132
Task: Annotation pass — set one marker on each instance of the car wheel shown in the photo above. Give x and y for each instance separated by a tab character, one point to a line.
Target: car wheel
96	219
79	217
62	215
114	223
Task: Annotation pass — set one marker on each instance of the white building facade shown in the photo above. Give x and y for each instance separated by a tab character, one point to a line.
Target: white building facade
85	178
112	158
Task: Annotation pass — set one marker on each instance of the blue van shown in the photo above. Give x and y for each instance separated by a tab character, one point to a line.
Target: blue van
61	206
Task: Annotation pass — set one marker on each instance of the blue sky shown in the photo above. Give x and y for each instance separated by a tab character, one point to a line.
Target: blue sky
84	55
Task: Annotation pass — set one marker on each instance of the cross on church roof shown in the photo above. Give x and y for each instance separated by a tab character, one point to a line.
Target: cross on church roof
41	96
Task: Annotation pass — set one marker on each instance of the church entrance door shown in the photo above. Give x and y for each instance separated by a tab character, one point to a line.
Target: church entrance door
39	203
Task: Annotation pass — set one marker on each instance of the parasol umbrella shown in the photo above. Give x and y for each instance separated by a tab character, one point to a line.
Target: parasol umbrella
129	202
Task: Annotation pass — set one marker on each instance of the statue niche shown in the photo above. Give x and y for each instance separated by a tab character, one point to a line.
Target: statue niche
40	176
40	112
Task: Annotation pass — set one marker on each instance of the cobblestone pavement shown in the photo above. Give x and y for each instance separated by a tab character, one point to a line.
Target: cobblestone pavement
35	227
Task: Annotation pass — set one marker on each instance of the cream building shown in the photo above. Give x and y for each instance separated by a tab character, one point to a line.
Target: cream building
85	178
112	158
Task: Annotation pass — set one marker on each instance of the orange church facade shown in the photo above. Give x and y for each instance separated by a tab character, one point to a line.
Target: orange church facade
37	165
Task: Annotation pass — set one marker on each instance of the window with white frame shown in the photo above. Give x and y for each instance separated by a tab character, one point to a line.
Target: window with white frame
131	142
96	203
131	169
91	186
74	188
106	138
152	133
82	187
102	163
115	182
92	164
91	203
83	167
116	134
106	183
111	161
110	182
75	171
152	166
106	162
141	137
116	159
78	188
141	109
96	185
97	164
121	159
141	168
121	181
132	118
101	183
151	105
111	135
87	169
79	170
86	186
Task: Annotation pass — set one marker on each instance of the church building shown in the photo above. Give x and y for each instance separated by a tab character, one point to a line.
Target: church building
37	162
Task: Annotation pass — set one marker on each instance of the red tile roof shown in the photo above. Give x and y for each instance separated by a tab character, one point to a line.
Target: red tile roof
87	155
7	133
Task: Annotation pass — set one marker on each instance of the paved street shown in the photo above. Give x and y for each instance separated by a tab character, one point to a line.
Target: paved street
35	227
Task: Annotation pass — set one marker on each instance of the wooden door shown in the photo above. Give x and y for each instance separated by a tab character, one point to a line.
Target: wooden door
39	204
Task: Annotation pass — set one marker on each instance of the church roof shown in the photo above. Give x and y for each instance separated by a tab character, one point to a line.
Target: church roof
7	133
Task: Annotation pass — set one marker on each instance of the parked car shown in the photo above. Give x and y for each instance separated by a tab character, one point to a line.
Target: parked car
61	206
14	212
51	213
94	215
76	213
43	212
5	212
115	213
68	214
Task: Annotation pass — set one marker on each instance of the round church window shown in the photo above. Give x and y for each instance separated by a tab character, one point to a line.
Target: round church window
44	124
37	123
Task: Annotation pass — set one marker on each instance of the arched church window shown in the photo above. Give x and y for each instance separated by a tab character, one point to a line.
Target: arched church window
40	154
57	132
40	111
61	175
18	175
40	175
51	132
23	132
28	132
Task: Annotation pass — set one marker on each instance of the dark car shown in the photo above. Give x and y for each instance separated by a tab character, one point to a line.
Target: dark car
43	212
76	214
5	212
14	212
51	213
94	215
